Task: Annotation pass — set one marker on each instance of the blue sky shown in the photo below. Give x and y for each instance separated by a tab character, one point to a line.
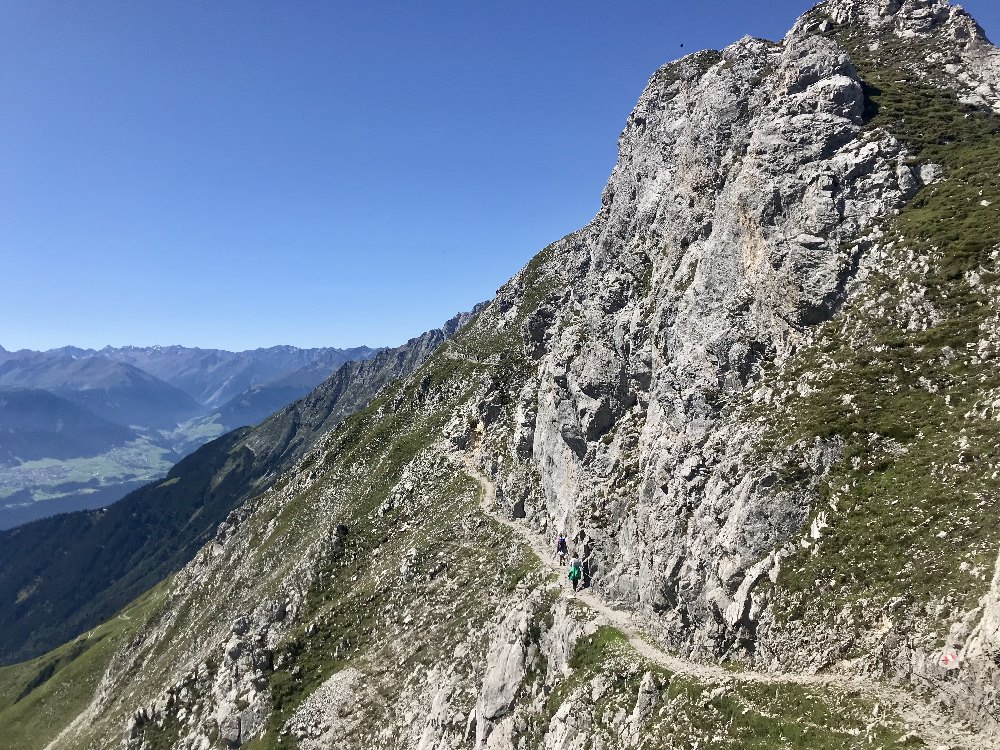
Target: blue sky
237	174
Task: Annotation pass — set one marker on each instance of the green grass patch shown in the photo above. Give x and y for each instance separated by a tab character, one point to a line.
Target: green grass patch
899	378
39	698
769	717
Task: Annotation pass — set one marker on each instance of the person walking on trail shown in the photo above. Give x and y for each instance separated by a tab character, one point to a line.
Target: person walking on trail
575	572
562	549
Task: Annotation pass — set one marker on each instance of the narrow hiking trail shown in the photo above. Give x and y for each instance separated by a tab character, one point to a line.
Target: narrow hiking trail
937	730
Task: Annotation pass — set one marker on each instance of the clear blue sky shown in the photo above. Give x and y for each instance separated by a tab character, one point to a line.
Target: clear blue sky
237	174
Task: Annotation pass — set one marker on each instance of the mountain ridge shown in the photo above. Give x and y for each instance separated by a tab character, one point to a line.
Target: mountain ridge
38	424
211	376
117	391
164	421
108	556
758	393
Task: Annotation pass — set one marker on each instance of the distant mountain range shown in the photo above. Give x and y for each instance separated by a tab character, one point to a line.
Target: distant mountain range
210	377
214	376
260	400
108	556
38	424
77	423
116	391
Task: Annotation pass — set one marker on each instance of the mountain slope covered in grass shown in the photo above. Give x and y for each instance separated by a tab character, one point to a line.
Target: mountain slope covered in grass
65	574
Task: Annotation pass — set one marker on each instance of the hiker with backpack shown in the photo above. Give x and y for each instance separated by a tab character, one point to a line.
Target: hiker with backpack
562	549
575	572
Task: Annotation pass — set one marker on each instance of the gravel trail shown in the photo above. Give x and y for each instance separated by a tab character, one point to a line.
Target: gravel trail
938	731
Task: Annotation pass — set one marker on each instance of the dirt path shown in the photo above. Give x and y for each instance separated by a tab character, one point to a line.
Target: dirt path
938	731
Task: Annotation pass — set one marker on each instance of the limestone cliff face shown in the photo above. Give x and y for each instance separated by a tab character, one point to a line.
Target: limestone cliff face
757	194
746	196
753	391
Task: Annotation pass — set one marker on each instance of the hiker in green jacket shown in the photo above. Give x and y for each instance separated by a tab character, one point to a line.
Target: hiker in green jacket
575	572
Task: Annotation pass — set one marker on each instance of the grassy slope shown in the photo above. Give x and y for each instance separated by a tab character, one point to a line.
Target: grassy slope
38	698
912	508
361	602
124	550
355	610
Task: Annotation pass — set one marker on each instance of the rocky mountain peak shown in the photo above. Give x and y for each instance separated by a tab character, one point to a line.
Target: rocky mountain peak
758	394
950	39
907	17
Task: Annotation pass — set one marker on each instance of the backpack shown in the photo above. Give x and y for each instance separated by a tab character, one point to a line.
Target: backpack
575	572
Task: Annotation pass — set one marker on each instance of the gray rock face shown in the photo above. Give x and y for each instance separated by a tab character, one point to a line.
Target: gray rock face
978	653
507	663
746	192
747	206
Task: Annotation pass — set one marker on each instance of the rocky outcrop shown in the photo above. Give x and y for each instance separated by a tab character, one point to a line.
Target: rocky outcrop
329	712
747	191
951	38
975	657
745	391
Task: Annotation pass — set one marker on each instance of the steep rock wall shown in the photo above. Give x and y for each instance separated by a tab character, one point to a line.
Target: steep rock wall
762	197
642	385
745	194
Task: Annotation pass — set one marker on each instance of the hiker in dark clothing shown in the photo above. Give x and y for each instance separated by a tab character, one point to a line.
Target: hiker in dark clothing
562	549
